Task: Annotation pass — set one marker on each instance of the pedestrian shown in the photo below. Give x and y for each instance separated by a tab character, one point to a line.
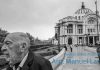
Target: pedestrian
16	47
98	52
65	47
71	48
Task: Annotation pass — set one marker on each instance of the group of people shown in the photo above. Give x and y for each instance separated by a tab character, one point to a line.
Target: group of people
17	49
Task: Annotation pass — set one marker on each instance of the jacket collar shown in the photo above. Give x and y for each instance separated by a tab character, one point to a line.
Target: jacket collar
23	61
28	61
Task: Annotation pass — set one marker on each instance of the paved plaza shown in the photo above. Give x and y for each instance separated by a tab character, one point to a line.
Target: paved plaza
81	59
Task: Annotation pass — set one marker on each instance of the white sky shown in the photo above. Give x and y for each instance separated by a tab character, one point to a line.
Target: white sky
38	17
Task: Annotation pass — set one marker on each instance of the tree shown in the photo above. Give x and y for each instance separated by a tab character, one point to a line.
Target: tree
31	38
3	34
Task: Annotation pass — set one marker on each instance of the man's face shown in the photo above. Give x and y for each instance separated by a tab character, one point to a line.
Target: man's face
12	50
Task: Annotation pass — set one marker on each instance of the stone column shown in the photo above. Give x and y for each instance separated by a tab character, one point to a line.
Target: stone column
88	40
77	39
93	41
83	40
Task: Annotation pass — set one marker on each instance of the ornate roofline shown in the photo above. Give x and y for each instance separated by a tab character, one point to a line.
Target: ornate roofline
90	15
83	6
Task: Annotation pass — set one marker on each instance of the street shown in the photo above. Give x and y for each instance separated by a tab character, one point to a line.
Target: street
80	59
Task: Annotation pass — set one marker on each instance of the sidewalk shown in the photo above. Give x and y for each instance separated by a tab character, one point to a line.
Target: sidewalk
87	66
90	49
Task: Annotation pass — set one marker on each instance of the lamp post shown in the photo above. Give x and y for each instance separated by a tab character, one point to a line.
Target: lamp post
58	36
87	37
64	32
97	21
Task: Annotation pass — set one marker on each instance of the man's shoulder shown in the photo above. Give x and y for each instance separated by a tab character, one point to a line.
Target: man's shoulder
37	61
40	59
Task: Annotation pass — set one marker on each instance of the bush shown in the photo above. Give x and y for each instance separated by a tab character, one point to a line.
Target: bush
48	49
46	54
54	52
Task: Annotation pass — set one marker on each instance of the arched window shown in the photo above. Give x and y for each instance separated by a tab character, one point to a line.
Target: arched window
91	20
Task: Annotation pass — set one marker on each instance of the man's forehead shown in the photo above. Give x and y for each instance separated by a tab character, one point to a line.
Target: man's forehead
15	36
7	39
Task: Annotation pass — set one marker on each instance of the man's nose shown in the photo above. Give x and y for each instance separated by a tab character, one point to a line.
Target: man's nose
3	48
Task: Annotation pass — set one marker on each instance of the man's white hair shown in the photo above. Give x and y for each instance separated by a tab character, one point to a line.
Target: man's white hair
19	36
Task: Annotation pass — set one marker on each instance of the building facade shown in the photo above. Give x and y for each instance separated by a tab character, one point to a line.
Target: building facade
83	28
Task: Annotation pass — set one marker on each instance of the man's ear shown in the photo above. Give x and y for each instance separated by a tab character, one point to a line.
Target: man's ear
23	47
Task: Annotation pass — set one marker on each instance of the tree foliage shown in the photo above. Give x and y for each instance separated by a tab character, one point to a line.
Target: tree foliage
31	38
36	41
3	34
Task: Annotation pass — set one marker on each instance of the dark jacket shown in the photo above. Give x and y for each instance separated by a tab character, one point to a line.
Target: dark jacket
36	62
98	51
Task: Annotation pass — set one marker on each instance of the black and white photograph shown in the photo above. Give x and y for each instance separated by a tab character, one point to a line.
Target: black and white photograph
49	35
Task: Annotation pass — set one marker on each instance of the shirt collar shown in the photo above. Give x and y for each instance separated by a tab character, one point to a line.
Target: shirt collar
23	61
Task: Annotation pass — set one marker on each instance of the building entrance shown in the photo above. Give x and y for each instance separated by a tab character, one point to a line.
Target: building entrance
69	41
80	41
90	40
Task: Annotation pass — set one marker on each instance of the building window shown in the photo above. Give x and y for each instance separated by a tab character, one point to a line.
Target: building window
88	30
91	20
82	17
80	29
75	17
70	28
99	27
91	30
79	17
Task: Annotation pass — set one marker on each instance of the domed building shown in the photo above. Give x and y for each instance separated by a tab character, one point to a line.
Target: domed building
82	29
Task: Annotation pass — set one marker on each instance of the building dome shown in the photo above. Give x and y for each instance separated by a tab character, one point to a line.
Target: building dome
83	10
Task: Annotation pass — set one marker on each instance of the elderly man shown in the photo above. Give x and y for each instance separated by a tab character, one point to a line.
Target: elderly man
16	47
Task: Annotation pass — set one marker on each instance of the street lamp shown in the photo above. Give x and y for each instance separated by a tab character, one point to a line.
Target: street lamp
65	25
87	36
57	35
97	21
64	32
